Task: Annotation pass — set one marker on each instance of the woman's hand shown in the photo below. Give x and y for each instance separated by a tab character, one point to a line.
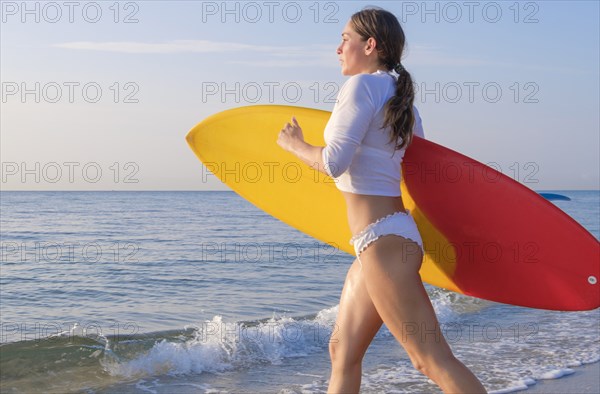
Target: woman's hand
290	135
292	140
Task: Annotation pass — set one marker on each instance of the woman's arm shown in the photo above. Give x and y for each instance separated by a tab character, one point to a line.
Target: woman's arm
311	155
292	140
346	129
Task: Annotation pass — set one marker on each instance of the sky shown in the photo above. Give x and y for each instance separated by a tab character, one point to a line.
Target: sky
100	95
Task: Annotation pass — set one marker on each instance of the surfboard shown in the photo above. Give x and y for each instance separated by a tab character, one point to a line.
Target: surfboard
554	197
485	235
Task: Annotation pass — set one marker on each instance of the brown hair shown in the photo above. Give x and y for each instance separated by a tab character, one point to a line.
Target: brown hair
384	27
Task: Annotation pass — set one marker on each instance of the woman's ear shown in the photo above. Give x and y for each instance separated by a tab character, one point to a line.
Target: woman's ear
371	45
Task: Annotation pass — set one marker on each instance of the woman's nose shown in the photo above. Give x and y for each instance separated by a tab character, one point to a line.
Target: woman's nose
339	50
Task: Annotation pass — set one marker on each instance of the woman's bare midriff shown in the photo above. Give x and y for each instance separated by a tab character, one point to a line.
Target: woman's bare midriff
365	209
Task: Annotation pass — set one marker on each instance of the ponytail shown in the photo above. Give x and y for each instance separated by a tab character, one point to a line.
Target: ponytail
399	114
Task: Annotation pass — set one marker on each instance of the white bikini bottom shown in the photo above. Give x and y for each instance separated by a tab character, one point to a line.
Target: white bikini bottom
397	223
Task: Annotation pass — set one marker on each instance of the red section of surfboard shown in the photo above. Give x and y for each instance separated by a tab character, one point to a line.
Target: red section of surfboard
511	244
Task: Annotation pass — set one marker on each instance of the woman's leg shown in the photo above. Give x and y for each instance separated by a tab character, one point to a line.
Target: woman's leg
391	272
356	325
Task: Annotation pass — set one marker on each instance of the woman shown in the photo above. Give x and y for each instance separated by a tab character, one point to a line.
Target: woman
370	127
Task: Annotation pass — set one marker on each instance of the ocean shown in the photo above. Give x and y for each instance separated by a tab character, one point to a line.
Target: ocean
188	292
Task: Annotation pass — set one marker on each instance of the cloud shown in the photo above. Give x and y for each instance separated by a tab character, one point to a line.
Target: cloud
269	56
282	56
183	46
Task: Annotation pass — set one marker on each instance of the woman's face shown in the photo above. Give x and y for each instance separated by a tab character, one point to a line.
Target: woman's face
355	55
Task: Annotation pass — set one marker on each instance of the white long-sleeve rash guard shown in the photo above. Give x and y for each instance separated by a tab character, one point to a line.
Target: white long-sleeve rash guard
357	152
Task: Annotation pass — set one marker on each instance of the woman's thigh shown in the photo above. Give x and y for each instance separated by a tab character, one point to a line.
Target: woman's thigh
357	320
395	288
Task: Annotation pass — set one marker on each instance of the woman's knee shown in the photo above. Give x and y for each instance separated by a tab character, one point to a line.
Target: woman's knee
344	357
431	365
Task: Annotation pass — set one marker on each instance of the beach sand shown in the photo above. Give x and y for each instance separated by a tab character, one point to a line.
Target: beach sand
585	379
